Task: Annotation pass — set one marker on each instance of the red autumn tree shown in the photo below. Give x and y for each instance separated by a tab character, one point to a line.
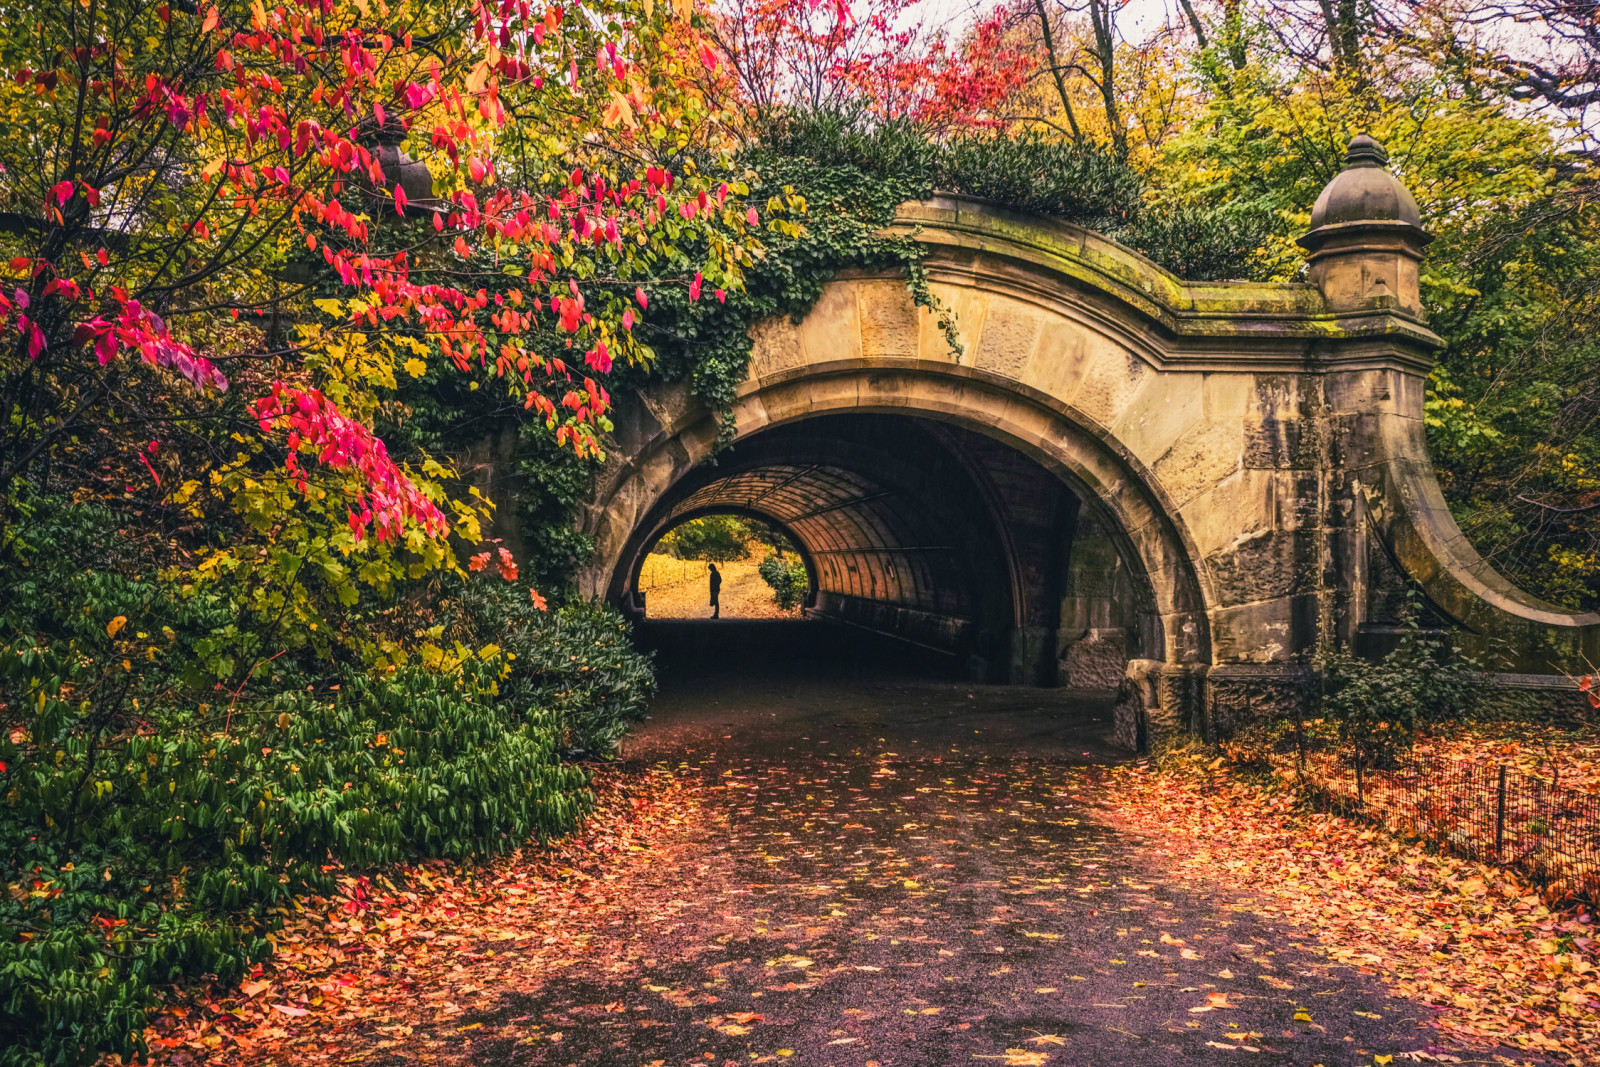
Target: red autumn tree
298	202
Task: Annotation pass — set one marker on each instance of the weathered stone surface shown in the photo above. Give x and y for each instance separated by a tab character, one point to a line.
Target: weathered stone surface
1240	695
1138	703
888	320
1265	566
1110	383
1200	459
1279	444
775	347
1010	336
1095	660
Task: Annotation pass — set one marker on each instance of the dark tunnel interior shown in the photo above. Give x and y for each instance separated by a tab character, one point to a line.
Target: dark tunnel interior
934	537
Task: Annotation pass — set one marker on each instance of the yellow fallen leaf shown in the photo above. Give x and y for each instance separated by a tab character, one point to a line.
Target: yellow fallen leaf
1301	1017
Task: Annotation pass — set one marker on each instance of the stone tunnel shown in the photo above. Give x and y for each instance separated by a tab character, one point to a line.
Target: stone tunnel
936	535
1115	473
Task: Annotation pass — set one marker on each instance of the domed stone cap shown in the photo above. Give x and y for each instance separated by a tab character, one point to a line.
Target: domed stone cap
1363	194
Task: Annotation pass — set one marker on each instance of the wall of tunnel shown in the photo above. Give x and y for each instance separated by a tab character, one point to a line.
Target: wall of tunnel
935	535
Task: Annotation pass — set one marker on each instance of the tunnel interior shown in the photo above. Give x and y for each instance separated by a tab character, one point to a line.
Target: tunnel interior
936	536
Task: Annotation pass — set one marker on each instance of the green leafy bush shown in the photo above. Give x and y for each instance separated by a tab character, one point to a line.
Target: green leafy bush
1377	706
147	843
575	663
718	538
788	579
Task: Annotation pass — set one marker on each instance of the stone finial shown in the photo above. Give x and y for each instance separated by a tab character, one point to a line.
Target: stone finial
1366	237
1363	151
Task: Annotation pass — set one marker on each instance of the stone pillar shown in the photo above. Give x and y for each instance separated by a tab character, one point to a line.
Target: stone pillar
1158	700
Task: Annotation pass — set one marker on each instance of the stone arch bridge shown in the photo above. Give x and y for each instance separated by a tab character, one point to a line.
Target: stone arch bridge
1206	479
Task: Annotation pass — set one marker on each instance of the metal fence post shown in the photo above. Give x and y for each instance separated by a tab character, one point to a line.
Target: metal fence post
1500	816
1300	741
1361	793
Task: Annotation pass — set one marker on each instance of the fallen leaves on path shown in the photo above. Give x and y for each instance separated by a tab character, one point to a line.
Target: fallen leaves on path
417	945
1474	943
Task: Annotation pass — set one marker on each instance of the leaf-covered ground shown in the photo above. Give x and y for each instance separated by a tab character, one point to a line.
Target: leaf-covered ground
1471	945
1570	758
864	872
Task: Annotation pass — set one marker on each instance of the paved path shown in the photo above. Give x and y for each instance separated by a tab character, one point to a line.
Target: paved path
902	872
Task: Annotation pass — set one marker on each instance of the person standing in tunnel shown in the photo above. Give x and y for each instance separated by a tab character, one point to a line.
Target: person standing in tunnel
716	591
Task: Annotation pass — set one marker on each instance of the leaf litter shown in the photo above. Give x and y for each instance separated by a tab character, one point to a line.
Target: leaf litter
728	912
1498	968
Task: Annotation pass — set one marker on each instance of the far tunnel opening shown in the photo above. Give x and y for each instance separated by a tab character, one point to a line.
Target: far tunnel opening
928	544
761	570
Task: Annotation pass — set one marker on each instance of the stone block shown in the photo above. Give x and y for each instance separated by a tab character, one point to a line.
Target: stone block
1110	381
775	347
1096	660
1239	695
888	316
1268	631
1242	505
1296	500
1200	459
1274	444
832	329
1010	336
1228	394
1062	356
1138	699
1169	406
1362	392
968	306
1284	398
1278	563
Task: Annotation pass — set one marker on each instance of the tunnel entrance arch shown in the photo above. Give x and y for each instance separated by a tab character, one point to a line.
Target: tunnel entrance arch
1016	540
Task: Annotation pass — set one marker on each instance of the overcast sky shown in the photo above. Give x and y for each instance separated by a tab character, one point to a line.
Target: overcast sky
1136	20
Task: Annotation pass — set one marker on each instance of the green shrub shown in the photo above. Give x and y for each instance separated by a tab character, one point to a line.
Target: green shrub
575	663
147	843
1377	706
718	538
788	579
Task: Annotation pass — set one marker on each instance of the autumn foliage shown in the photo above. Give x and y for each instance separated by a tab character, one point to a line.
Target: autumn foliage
237	626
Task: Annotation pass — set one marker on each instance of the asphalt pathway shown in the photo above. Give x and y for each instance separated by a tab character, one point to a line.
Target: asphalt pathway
903	871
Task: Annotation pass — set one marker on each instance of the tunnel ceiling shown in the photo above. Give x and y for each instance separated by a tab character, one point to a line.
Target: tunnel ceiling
891	510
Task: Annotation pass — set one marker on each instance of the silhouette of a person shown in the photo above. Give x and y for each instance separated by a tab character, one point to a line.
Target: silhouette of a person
716	591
